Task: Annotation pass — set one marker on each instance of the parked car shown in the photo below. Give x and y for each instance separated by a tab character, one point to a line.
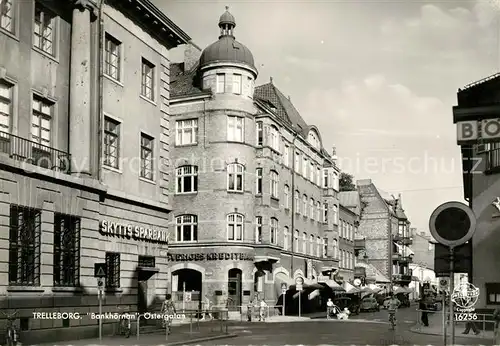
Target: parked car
369	304
347	302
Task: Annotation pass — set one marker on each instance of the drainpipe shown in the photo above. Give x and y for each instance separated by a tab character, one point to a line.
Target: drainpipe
100	111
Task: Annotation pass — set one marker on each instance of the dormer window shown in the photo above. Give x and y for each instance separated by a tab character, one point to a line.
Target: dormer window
314	140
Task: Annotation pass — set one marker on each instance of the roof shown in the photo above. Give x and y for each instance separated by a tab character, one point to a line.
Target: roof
227	18
183	83
350	200
479	82
227	49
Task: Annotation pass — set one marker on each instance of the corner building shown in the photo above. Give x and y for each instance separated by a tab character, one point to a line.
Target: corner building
255	191
83	179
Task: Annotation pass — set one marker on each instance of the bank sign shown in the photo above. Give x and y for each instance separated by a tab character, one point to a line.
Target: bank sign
469	131
129	231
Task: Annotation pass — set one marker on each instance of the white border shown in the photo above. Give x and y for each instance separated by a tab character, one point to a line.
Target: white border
447	205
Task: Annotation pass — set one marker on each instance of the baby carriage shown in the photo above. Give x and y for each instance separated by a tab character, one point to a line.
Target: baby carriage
333	311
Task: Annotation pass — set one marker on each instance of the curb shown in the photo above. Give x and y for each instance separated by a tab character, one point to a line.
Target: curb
418	331
194	341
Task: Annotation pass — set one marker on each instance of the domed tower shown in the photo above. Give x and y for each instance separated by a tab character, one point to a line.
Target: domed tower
227	66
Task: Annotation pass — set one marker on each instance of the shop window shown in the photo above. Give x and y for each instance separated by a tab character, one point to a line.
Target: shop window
146	261
235	227
147	156
235	177
66	269
258	182
187	228
274	184
493	293
187	132
24	246
112	270
187	179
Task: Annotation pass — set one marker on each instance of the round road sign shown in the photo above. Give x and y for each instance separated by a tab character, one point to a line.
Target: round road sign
452	224
357	282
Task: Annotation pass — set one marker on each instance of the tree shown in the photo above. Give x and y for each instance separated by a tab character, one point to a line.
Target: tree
346	183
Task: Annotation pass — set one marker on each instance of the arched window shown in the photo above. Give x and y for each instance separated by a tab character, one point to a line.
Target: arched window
259	133
274	231
304	204
274	138
304	243
335	248
186	228
258	229
274	184
296	240
311	207
297	204
286	193
325	247
318	246
235	177
311	245
286	238
235	227
186	179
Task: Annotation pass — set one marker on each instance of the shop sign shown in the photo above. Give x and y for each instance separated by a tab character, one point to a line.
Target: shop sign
211	256
469	131
133	232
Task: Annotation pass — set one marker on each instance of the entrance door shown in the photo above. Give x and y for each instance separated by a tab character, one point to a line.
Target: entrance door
234	289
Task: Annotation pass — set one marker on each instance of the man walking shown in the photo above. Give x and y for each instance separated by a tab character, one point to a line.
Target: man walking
423	307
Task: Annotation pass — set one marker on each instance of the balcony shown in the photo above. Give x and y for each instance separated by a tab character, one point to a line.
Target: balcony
359	272
359	244
22	149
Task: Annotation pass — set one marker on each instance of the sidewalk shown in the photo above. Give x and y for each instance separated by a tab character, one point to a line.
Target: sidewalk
180	335
436	328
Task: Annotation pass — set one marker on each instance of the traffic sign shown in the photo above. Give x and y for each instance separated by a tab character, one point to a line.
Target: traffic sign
100	284
99	270
452	224
443	282
357	282
299	282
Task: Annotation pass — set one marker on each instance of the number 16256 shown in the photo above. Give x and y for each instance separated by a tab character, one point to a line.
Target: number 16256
464	316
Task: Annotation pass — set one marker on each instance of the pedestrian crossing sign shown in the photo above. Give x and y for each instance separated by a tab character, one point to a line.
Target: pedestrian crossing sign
100	270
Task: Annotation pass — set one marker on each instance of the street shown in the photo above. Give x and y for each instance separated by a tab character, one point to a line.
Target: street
366	328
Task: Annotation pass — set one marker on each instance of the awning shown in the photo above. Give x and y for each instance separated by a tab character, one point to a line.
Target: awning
313	294
404	250
350	288
333	285
282	278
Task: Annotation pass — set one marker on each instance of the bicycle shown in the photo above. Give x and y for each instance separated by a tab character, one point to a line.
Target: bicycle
12	335
392	319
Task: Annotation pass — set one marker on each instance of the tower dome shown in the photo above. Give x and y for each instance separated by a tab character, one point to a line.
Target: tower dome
227	49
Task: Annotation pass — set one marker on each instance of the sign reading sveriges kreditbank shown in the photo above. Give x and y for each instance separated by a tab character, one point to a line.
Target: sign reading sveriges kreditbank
129	231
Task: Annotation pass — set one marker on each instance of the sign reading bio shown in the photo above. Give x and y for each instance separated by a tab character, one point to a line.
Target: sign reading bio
468	131
134	232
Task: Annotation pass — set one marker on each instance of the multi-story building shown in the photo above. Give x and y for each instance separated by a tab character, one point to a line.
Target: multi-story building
478	104
422	267
83	178
348	230
255	191
385	228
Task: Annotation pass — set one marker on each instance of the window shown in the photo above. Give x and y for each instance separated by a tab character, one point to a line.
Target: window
44	29
258	181
297	204
325	212
112	59
274	184
5	106
274	231
221	83
311	245
318	211
318	246
258	229
351	233
286	193
274	135
336	182
297	162
313	140
24	246
235	177
186	228
234	129
325	247
335	215
304	167
259	131
187	179
147	156
186	132
235	227
41	124
492	293
343	259
66	269
250	86
304	205
335	248
112	270
147	80
111	142
286	238
304	243
492	155
318	176
286	156
311	208
311	172
296	241
7	15
237	84
325	178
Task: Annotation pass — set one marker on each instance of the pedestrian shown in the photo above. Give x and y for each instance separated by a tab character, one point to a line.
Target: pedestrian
207	309
496	318
329	308
423	308
168	309
468	326
250	310
262	310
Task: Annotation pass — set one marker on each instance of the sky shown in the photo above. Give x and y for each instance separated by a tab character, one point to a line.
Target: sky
378	78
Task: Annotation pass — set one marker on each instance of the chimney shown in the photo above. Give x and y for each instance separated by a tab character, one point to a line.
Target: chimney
271	80
192	55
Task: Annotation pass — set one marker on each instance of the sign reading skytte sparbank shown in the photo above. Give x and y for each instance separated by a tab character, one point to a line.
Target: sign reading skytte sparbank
133	232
